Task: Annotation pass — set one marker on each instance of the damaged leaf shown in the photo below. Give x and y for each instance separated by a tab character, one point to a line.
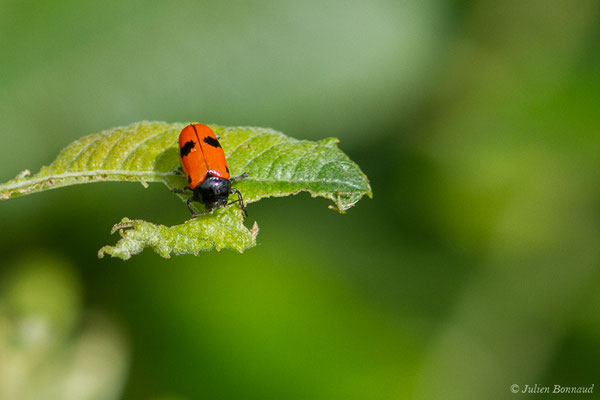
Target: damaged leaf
147	152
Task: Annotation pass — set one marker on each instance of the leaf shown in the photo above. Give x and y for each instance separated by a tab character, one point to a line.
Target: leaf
138	152
218	230
147	152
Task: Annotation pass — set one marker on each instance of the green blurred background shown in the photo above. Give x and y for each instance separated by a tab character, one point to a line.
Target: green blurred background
475	267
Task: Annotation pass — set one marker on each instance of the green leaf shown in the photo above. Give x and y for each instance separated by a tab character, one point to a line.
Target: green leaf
138	152
147	152
218	230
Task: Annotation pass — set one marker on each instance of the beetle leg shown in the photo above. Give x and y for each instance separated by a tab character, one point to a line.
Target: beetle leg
189	204
240	200
239	177
232	202
180	191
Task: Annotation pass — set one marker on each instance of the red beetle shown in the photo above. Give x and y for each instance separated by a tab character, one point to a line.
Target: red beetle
203	162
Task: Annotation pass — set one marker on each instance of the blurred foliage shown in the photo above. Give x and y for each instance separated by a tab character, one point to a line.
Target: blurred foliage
477	265
48	350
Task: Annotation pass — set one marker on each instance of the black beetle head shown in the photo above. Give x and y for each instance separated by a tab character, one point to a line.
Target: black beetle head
214	192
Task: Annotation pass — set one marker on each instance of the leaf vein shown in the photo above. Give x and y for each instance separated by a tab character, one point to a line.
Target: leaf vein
78	174
261	154
80	152
307	152
131	152
338	181
115	144
232	153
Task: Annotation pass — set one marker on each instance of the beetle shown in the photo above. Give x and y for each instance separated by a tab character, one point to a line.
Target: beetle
205	167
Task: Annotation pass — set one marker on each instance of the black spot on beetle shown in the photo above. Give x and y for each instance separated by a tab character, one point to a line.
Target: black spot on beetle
211	141
226	169
186	148
189	179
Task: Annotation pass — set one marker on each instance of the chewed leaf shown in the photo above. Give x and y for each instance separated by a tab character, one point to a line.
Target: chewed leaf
146	152
218	231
